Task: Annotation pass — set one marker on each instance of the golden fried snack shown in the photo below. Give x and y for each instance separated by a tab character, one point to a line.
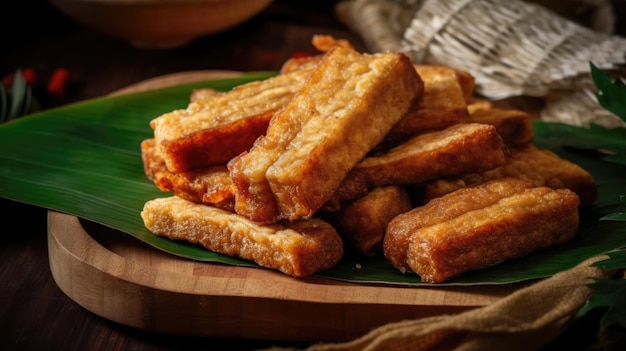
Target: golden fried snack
211	185
298	249
212	131
443	103
153	163
455	151
439	210
346	108
352	187
515	127
489	233
203	93
363	222
214	186
479	104
299	63
467	82
438	76
541	167
325	43
322	43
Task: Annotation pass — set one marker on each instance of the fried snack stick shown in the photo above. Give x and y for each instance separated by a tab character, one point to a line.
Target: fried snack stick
401	228
322	43
352	187
298	63
455	151
203	93
346	108
488	234
325	43
514	126
363	222
447	92
211	131
298	249
541	167
211	185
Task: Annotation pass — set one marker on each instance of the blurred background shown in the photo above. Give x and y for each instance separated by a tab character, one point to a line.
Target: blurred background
39	38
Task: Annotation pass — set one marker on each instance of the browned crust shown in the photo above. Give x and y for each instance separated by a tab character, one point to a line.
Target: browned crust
325	43
442	209
455	151
317	138
298	249
515	226
302	185
152	163
443	103
211	131
214	146
352	187
298	63
363	222
203	93
514	126
541	167
211	185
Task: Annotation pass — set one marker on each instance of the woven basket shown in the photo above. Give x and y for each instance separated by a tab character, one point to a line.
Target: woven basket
513	48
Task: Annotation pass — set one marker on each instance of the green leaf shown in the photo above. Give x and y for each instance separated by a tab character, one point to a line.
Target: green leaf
617	216
609	144
611	94
85	159
616	260
609	294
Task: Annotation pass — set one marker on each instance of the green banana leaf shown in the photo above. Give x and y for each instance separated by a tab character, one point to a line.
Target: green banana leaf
84	159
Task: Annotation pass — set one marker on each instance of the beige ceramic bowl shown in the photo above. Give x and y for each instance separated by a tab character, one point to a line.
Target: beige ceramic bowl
160	23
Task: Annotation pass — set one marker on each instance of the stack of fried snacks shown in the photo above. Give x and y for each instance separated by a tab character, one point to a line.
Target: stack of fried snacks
480	226
368	152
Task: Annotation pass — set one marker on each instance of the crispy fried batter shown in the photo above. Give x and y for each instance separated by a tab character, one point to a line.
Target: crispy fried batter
488	232
515	127
212	131
347	134
439	210
352	187
443	103
363	222
299	63
322	43
298	249
346	108
325	43
209	186
455	151
153	163
203	93
541	167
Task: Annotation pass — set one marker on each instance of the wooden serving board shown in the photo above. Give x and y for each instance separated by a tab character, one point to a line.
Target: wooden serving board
120	278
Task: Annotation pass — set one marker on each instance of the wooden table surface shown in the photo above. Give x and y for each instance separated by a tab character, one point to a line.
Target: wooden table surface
35	314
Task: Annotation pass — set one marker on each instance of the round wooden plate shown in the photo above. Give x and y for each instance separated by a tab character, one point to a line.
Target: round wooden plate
118	277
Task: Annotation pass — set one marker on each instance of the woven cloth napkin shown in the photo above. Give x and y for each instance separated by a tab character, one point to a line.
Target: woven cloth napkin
528	319
511	47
